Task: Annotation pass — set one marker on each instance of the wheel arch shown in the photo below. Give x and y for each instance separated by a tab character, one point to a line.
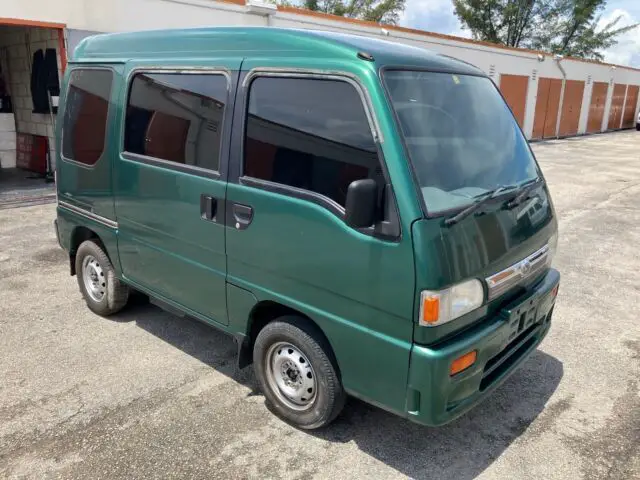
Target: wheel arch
265	312
81	234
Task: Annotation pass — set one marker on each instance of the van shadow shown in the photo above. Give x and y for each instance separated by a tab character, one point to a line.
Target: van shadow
466	447
462	449
202	342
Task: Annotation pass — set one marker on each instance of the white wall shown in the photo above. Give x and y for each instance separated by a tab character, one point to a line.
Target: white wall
54	11
127	15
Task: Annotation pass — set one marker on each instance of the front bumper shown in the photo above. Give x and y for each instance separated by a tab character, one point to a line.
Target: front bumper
435	398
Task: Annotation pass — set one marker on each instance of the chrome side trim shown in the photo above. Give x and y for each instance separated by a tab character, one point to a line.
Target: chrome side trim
87	214
285	189
526	268
180	167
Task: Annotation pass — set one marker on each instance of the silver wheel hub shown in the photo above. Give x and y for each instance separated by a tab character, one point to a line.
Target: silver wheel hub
95	281
291	376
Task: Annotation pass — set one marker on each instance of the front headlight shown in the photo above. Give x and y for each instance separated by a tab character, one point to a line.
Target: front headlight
553	248
445	305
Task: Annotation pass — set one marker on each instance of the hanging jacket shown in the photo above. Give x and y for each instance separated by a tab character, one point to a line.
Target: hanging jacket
38	83
51	66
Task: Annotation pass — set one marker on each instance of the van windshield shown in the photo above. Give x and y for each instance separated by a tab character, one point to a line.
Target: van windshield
461	137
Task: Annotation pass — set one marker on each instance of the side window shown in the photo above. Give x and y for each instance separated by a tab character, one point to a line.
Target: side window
85	115
176	117
310	134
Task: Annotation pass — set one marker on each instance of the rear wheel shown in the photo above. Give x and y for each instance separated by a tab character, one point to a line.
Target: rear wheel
101	289
638	126
296	373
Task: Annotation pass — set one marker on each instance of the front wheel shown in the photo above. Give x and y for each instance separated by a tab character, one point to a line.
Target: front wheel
295	371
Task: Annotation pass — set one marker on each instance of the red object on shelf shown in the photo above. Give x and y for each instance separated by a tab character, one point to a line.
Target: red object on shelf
31	152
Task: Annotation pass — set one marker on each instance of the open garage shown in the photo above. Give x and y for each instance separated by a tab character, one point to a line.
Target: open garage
32	57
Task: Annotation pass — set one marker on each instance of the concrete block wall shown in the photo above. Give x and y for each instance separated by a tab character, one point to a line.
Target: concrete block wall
7	140
19	44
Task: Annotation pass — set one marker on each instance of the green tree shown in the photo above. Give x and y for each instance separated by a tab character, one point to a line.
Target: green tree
565	27
380	11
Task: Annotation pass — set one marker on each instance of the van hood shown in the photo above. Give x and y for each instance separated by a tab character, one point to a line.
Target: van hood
479	246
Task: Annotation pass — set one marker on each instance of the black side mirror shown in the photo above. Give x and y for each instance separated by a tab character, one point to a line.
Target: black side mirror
361	203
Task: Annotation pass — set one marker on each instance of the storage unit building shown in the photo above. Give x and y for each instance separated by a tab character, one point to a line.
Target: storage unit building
597	105
514	88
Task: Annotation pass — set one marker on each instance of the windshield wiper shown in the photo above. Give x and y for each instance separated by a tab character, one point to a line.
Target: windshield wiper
525	191
480	201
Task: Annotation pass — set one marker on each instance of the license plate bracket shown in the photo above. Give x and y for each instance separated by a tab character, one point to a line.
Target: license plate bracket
521	316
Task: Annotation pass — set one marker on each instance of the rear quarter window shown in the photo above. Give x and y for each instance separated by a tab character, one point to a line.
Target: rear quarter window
85	115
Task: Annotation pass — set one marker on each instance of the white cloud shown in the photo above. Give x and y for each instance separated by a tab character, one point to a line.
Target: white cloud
417	9
434	16
627	50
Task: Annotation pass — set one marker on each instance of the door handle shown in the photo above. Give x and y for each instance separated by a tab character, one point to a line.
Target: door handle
208	207
242	215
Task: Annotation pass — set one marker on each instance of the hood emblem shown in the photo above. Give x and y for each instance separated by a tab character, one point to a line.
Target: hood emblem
525	268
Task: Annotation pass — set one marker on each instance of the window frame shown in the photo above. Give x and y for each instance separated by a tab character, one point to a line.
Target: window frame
386	229
107	128
168	164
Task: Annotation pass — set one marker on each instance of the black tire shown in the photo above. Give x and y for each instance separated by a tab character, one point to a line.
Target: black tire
638	127
115	294
329	396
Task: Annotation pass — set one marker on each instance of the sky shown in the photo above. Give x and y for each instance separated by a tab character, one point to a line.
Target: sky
437	16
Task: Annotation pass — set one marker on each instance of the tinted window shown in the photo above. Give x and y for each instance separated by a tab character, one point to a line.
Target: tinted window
176	117
460	134
85	115
310	134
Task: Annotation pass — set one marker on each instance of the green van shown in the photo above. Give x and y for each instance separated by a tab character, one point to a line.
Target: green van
365	218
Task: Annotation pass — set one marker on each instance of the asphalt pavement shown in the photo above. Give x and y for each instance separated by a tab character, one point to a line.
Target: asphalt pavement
149	395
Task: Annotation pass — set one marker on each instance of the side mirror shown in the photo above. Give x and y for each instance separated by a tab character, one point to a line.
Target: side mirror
360	209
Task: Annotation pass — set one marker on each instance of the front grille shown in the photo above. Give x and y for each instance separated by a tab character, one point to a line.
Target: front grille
518	273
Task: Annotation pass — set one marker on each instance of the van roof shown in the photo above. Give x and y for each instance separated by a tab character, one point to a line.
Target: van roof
260	41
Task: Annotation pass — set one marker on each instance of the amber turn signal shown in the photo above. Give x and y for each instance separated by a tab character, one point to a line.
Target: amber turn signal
431	309
463	362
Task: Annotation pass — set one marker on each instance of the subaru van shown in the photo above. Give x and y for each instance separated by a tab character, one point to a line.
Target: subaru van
365	218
